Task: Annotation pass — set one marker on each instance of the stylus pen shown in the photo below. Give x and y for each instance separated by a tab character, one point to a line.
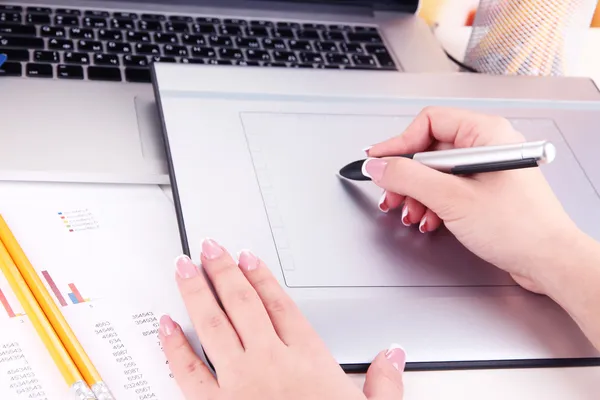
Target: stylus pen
472	160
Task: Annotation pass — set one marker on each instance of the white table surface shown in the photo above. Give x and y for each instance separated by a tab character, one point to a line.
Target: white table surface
508	384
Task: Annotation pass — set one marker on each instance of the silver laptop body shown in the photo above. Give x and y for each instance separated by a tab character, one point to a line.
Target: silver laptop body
77	103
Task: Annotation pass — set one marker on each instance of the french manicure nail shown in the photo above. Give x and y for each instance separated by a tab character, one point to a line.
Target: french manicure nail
166	325
247	260
405	219
382	205
366	149
422	224
397	356
185	267
374	168
211	249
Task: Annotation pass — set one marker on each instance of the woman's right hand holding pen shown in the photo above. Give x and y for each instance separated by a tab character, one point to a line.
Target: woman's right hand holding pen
511	219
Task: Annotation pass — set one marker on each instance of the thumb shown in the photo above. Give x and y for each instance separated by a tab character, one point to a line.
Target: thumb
384	377
434	189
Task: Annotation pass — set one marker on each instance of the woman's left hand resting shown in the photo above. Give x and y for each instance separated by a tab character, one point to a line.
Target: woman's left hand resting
261	346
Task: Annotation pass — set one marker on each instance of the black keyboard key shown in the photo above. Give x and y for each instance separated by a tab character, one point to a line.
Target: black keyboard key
67	11
153	17
220	41
275	44
332	35
203	52
162	59
21	41
219	62
16	54
275	64
104	74
82	33
258	55
245	63
173	50
288	25
38	19
69	72
118	47
340	28
119	23
230	21
90	45
308	34
138	75
192	61
107	34
176	27
71	57
301	45
311	58
180	18
53	31
208	20
203	28
314	26
257	31
106	59
135	61
327	47
363	61
46	56
285	56
95	22
17	29
264	24
138	37
283	33
39	10
193	39
11	17
231	54
11	69
60	44
160	37
364	37
248	43
11	8
39	70
376	49
337	59
149	49
97	13
354	48
65	20
125	15
365	29
155	26
231	30
385	60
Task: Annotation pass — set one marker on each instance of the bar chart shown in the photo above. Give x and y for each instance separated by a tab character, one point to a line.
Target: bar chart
9	302
74	295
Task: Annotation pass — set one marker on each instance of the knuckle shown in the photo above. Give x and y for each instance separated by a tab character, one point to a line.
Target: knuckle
244	295
215	321
278	305
192	366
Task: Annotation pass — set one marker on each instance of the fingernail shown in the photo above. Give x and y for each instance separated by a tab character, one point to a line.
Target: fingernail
397	356
247	260
382	205
422	224
374	168
405	219
167	326
211	249
366	149
185	267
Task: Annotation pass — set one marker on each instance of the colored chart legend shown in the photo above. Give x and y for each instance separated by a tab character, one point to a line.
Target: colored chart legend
75	295
78	220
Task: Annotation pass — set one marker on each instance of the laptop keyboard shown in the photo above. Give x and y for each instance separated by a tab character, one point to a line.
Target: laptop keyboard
100	45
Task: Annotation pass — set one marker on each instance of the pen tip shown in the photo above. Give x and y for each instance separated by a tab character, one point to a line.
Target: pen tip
353	171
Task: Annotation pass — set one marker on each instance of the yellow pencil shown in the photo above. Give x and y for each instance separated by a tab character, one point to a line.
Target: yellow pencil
75	349
59	354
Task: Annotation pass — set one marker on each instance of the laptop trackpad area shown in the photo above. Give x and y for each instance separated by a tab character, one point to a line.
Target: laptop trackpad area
329	232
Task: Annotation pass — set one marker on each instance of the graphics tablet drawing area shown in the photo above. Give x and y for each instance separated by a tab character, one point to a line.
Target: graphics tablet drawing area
260	172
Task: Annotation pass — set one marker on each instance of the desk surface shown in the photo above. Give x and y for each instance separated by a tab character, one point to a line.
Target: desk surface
516	384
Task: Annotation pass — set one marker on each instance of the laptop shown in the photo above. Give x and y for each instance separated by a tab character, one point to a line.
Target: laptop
77	101
254	158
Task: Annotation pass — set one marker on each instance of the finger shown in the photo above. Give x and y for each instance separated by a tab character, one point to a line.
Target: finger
240	301
384	376
412	211
289	322
430	222
390	201
220	341
191	374
462	128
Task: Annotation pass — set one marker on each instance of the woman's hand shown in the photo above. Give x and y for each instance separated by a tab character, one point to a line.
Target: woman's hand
511	219
260	344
